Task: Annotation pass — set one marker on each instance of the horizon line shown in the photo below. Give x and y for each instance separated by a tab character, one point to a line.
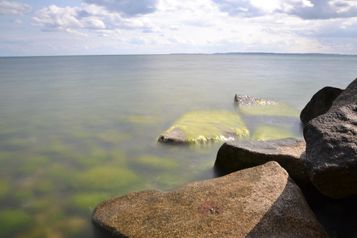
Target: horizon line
216	53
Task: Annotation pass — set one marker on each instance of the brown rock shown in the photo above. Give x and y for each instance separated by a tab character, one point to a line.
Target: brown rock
257	202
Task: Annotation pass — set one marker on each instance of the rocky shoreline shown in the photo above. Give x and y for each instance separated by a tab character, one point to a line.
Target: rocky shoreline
276	188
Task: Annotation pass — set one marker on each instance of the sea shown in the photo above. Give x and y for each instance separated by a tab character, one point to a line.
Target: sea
76	130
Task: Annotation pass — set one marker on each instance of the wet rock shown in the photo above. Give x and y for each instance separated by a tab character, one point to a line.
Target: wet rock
256	202
331	146
238	155
243	100
319	104
204	127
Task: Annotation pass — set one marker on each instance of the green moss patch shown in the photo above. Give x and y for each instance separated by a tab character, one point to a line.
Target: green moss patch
268	132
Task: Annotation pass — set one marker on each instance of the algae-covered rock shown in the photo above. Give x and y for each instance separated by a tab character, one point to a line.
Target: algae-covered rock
12	221
269	132
205	126
153	162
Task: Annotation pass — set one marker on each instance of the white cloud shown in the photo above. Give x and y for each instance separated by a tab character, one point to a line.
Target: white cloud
305	9
8	7
85	17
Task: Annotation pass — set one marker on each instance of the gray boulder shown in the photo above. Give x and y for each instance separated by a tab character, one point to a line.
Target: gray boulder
238	155
319	104
331	146
256	202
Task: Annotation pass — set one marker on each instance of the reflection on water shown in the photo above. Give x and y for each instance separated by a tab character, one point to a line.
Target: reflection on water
77	130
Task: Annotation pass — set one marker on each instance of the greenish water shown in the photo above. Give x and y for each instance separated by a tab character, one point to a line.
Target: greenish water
77	130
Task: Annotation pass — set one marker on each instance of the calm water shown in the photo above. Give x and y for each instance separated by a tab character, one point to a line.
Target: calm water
77	130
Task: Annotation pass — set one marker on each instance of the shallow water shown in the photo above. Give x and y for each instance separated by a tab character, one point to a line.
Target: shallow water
77	130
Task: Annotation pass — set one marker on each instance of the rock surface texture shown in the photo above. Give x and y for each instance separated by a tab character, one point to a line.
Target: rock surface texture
319	104
256	202
238	155
331	146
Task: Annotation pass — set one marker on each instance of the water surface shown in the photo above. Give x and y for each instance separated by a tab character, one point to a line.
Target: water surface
77	130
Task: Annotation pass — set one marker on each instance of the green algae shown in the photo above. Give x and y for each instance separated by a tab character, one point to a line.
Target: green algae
205	126
275	109
142	119
4	189
269	132
154	162
86	202
12	221
106	178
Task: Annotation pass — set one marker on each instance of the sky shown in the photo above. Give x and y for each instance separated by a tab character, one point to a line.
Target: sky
92	27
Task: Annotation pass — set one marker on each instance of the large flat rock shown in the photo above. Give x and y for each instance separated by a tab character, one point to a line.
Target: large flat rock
289	153
256	202
331	146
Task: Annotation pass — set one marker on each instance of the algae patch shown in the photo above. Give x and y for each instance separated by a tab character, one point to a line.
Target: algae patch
157	163
205	126
274	109
268	132
12	221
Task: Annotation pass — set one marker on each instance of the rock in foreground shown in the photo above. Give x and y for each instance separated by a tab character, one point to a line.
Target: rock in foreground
205	126
256	202
331	146
319	104
238	155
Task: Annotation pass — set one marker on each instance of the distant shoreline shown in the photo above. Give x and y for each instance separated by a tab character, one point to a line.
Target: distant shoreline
168	54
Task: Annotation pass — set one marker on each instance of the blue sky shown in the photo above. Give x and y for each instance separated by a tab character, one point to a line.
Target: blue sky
76	27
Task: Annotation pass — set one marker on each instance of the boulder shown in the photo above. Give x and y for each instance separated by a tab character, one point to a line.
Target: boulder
319	104
205	126
238	155
256	202
331	146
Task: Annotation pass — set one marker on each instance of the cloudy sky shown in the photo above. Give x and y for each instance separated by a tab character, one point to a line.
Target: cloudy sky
62	27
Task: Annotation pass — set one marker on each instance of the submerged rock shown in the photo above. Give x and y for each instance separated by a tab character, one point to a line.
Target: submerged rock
319	104
331	146
238	155
257	202
270	132
253	106
205	126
